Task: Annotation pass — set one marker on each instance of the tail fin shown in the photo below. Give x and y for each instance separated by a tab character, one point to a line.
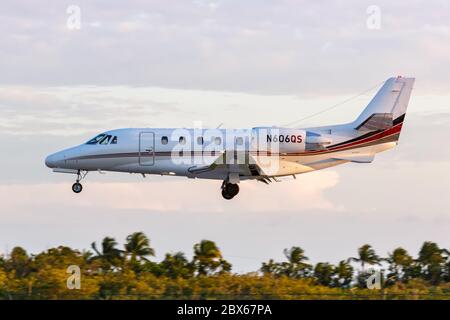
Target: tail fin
388	107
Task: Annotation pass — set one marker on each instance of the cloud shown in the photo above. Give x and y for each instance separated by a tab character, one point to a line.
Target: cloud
282	47
421	139
68	111
29	110
173	195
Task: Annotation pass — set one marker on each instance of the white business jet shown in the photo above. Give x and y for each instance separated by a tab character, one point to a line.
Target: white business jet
262	153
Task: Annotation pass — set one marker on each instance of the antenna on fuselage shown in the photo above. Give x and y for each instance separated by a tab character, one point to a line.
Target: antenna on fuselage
333	106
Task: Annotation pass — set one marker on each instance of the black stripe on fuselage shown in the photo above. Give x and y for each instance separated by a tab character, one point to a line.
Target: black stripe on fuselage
364	136
399	119
369	134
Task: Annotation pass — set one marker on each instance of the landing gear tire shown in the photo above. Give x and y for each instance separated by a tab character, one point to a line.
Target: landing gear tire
226	195
77	187
230	190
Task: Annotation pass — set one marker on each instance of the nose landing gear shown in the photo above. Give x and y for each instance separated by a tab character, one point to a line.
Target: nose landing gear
229	190
77	187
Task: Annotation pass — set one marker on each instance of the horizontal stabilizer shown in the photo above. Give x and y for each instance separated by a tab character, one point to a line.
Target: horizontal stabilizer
377	121
273	166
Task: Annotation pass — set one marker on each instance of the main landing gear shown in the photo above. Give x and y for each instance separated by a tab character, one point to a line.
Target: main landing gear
77	187
229	190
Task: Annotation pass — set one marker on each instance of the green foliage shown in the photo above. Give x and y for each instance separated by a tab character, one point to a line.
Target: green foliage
138	247
366	255
343	274
177	266
18	262
208	259
431	260
295	267
109	257
112	273
401	266
324	274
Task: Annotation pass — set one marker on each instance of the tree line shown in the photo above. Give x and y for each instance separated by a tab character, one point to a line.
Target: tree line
108	271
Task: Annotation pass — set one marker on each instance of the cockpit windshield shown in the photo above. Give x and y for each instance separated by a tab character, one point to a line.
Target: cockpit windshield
96	139
106	139
103	139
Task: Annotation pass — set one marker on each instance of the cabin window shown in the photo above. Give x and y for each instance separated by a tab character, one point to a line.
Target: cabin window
239	141
199	140
217	140
96	139
164	140
182	140
114	140
106	140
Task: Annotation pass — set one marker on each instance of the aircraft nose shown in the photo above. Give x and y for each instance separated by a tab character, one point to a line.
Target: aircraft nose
52	160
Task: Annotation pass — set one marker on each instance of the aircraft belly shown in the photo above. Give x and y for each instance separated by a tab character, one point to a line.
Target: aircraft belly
277	166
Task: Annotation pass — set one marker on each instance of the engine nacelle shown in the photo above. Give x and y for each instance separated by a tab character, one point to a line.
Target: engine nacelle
315	141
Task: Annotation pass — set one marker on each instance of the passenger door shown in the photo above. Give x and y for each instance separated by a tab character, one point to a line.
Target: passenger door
146	148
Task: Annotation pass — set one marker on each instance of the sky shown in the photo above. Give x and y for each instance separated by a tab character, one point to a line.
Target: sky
240	63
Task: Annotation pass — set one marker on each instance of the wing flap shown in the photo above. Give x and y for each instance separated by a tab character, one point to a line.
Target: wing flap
358	158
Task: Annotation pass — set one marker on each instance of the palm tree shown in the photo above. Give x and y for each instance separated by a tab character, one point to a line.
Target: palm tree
366	255
296	266
399	263
109	254
431	260
176	266
344	274
138	247
208	259
19	261
324	272
270	268
295	255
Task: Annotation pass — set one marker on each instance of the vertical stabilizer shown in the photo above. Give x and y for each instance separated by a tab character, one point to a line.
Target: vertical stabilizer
388	105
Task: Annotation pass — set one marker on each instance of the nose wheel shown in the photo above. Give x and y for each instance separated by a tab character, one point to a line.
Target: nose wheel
229	190
77	187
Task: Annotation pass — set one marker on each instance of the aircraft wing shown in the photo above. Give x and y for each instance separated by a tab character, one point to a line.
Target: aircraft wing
260	167
210	163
